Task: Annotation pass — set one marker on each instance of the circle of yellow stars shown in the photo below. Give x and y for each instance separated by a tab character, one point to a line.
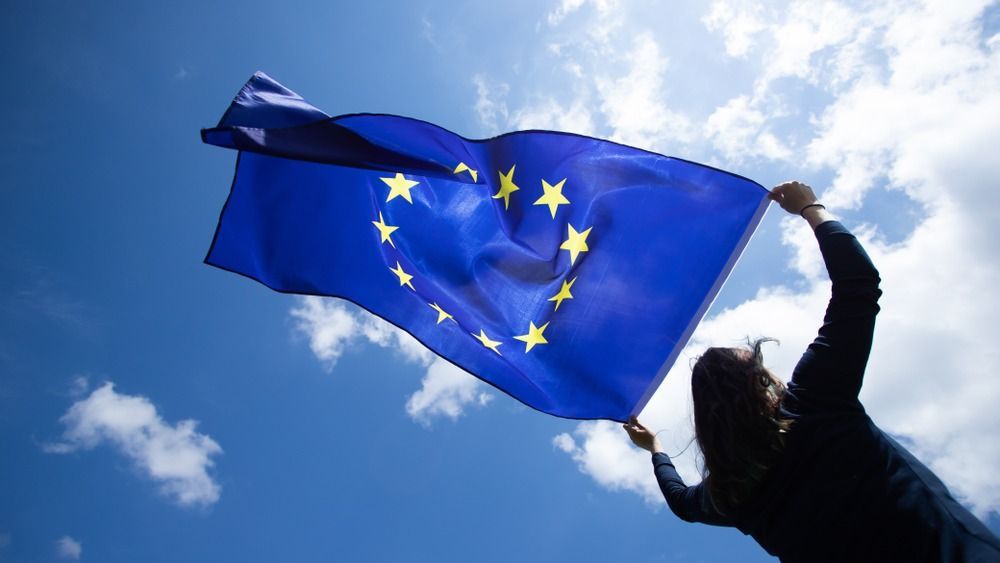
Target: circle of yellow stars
552	197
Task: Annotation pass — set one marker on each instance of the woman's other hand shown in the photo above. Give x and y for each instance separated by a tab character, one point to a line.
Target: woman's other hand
641	436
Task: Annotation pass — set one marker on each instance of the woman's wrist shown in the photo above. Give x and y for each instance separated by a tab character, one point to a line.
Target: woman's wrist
810	206
816	214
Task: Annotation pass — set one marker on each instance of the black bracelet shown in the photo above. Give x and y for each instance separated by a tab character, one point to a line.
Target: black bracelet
803	210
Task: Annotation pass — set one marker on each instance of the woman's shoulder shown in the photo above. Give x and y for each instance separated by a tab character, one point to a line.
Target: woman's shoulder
801	401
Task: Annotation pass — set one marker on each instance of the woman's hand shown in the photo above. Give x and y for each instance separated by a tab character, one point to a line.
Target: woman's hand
641	436
795	198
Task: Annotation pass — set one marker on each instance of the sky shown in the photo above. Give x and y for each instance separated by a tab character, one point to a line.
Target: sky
153	408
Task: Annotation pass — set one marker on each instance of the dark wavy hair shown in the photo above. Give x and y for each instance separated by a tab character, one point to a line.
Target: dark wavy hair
737	421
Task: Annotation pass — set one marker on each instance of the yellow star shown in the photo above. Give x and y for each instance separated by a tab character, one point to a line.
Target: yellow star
399	186
507	186
442	315
491	344
576	243
533	337
385	230
404	278
563	293
553	196
462	167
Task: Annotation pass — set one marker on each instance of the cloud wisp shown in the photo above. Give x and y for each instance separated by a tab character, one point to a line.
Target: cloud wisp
177	457
68	548
332	328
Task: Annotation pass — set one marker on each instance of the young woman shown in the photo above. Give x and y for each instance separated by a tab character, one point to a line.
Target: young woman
804	470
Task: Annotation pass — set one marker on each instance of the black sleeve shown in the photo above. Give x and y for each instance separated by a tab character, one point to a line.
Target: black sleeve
688	503
830	373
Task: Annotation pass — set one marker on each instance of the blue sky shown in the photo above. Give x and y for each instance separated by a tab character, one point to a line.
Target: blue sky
322	434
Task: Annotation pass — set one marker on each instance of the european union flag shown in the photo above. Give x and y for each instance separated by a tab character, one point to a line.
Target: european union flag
564	270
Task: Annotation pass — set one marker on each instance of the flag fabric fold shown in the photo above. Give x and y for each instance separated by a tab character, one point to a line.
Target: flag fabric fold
564	270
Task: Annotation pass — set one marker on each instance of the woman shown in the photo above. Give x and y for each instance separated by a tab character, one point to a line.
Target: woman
804	470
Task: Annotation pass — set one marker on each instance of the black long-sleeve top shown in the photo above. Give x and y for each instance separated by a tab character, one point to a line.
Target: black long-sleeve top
843	490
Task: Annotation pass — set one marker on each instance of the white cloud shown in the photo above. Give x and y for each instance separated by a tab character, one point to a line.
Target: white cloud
427	32
491	107
79	386
386	335
913	94
633	104
177	457
926	125
564	442
68	548
329	326
932	374
445	391
56	304
739	24
564	8
613	463
808	28
738	130
790	37
604	18
332	328
622	75
550	114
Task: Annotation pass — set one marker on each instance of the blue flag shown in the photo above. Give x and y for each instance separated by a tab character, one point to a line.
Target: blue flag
564	270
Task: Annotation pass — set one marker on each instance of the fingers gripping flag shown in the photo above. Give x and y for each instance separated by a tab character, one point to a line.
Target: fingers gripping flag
564	270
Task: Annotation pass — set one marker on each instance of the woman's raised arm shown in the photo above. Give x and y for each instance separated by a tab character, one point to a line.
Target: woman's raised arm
832	369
